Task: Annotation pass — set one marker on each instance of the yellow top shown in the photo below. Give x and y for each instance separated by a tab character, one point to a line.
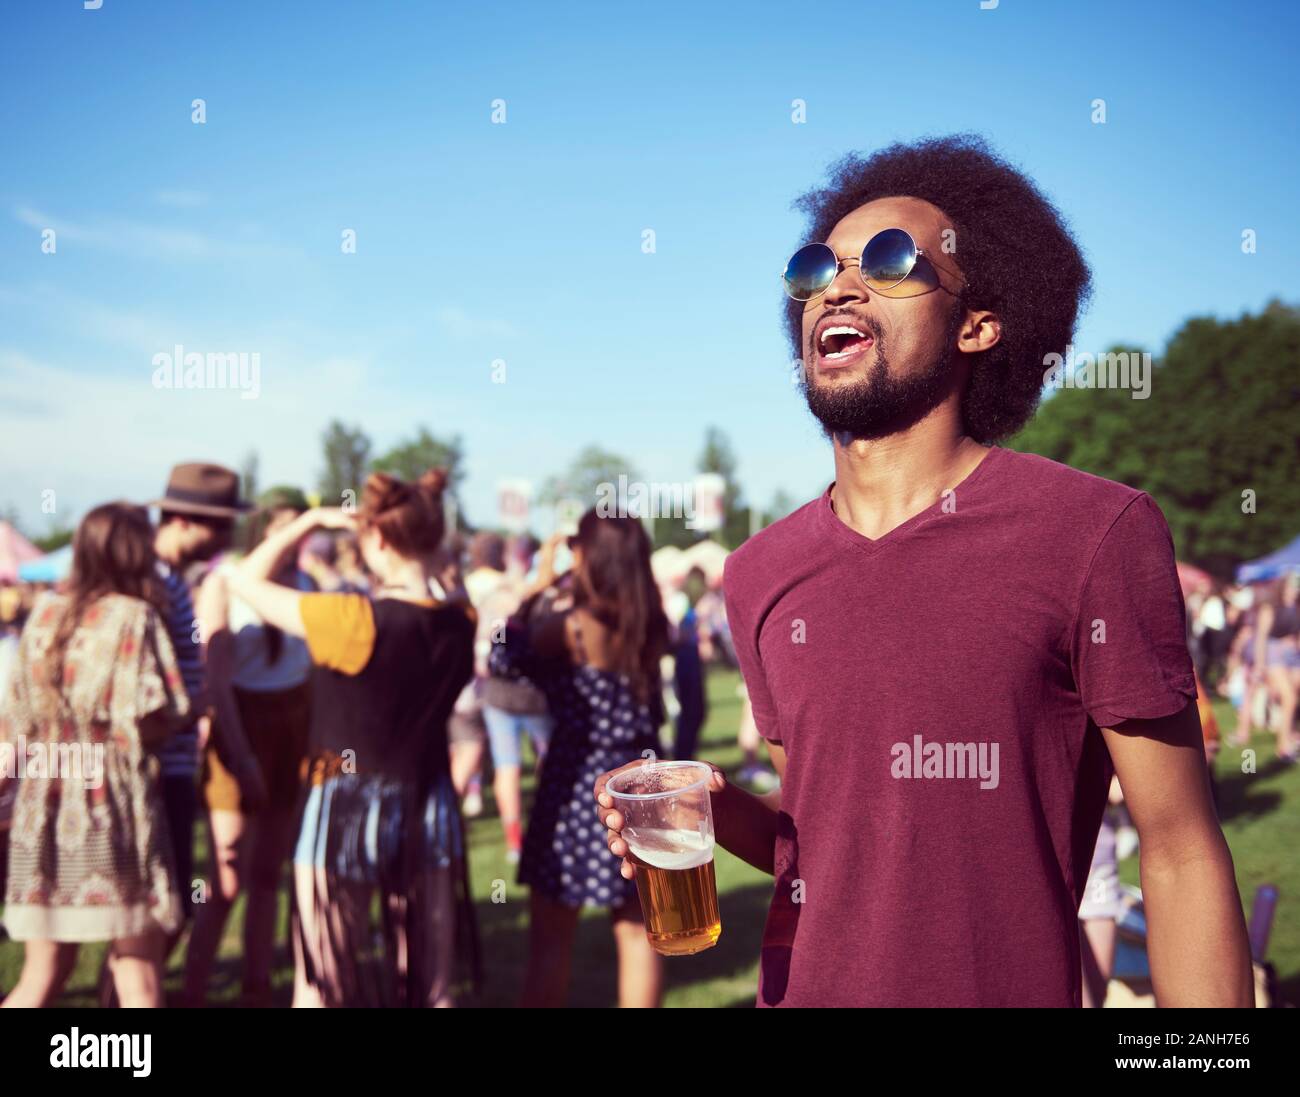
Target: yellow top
340	630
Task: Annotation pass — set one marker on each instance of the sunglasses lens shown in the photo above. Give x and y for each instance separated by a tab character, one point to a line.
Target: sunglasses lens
810	271
888	258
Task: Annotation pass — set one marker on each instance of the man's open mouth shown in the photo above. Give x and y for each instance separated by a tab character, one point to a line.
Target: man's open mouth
839	343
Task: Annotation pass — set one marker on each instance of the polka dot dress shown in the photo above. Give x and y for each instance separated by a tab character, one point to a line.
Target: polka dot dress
599	726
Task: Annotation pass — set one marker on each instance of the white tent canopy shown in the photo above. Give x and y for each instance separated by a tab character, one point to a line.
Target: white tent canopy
671	564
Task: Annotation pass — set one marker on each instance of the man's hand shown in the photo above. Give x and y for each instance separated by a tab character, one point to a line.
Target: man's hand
612	820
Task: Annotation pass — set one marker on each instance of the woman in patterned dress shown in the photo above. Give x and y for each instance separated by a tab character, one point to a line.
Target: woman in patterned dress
95	690
592	643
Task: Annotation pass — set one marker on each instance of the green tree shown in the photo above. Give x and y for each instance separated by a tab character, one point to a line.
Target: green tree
1216	444
717	456
347	458
58	536
782	504
584	476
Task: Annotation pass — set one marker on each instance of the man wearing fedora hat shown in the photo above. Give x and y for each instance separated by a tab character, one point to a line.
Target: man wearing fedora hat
196	522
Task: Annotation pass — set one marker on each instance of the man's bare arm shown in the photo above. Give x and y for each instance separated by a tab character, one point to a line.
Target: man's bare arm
745	824
1196	934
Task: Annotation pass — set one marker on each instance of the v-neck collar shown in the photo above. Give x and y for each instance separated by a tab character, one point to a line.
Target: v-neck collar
831	521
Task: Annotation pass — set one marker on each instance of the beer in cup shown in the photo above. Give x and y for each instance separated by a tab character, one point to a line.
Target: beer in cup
668	828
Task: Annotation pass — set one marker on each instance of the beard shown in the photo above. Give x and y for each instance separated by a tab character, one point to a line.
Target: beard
881	402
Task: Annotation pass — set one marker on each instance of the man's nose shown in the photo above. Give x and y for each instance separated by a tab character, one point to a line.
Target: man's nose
847	285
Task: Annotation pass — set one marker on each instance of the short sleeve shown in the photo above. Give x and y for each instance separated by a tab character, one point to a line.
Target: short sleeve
340	630
147	677
744	638
1129	646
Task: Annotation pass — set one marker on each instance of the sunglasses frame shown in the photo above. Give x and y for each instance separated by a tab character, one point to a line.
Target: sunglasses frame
840	264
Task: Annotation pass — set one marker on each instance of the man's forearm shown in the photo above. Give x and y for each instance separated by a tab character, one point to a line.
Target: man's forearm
745	825
1196	934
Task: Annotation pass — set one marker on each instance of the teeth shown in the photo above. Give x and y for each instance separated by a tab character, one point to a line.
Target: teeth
841	330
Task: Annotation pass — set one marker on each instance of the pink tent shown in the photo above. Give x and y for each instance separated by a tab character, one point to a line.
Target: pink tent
1192	579
15	549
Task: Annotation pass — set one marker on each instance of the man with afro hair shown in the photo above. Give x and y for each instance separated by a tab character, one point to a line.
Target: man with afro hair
952	649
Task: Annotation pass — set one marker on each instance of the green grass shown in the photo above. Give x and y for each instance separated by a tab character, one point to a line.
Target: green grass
1263	834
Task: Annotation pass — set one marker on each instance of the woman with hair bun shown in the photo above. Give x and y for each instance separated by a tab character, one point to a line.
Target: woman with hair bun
380	817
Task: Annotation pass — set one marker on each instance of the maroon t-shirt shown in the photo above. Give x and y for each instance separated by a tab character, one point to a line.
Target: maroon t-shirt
938	692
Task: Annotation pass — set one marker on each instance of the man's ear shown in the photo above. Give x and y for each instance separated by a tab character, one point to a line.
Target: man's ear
980	330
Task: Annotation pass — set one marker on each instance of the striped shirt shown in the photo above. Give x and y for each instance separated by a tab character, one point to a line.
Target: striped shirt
179	757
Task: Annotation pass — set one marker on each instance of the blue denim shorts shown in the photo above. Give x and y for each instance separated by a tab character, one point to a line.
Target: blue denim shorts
1282	653
507	729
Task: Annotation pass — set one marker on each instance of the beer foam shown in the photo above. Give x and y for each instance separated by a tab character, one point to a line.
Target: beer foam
670	849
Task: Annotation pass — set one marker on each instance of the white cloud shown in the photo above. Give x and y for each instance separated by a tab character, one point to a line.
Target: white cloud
455	322
149	241
120	329
93	437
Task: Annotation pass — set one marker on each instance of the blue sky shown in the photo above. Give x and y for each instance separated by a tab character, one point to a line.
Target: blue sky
522	242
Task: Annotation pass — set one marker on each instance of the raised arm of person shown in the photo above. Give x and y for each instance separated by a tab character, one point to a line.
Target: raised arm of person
549	628
535	637
1196	932
218	645
250	579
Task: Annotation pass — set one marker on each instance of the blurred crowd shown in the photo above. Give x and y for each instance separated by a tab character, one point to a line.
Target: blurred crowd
328	693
